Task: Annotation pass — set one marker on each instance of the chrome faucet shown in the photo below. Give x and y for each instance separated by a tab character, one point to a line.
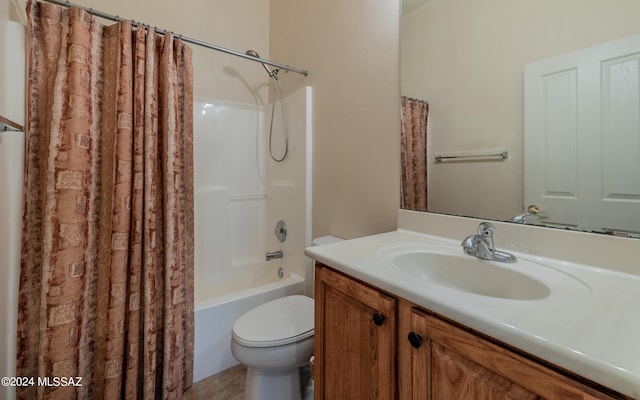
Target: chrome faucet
533	212
273	254
481	245
522	218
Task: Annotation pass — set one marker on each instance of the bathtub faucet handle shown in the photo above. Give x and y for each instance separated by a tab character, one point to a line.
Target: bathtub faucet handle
281	231
273	254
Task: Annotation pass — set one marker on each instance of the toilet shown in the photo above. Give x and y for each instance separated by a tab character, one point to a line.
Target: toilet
273	341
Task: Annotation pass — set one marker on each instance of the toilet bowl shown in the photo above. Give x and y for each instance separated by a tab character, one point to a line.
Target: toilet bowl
273	341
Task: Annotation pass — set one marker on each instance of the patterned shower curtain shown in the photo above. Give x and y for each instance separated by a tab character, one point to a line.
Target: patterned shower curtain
106	286
413	135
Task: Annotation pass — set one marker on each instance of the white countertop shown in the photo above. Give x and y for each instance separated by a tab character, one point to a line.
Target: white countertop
592	328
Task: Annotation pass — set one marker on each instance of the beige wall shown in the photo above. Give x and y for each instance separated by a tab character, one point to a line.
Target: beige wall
12	64
4	12
4	19
351	50
467	59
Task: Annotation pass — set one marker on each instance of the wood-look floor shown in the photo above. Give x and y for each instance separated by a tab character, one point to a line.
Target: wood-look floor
226	385
229	385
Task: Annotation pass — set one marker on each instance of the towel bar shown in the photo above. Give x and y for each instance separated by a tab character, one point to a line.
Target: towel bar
503	155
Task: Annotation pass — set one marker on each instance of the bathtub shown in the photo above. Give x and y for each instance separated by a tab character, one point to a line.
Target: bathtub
214	318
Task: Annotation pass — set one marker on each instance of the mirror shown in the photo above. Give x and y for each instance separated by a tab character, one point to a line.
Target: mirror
467	59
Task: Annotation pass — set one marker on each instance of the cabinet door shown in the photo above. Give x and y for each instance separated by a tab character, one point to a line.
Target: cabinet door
444	361
355	339
454	376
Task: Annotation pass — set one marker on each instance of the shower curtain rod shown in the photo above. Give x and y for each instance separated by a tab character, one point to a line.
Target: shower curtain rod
197	42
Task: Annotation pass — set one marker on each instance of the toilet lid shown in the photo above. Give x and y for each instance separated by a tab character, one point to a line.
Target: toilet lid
278	322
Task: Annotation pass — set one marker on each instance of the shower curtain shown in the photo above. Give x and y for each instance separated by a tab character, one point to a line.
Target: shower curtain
106	285
413	135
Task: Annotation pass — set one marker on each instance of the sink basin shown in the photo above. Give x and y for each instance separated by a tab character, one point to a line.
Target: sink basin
447	266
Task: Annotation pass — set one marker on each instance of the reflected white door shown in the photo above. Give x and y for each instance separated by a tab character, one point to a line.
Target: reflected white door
582	137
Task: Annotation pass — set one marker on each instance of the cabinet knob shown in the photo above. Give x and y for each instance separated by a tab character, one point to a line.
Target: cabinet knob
378	319
415	339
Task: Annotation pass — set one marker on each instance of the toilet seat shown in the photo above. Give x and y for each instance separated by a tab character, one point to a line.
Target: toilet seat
282	321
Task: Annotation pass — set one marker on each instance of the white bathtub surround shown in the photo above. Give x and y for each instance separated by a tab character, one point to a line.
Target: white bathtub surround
240	195
288	185
11	175
590	328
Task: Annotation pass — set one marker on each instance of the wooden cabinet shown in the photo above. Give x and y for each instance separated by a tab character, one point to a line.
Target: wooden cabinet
355	340
371	345
442	360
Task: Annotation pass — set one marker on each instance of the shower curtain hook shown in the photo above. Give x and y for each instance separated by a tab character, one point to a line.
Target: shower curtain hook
91	19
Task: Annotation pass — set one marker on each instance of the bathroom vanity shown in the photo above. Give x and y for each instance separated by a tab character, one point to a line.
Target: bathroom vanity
387	328
372	345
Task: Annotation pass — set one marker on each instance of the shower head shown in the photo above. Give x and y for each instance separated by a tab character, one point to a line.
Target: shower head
253	53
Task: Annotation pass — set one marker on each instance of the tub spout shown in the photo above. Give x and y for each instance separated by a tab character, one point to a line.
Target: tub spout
274	254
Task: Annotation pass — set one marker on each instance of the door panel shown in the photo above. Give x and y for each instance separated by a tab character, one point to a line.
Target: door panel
582	137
